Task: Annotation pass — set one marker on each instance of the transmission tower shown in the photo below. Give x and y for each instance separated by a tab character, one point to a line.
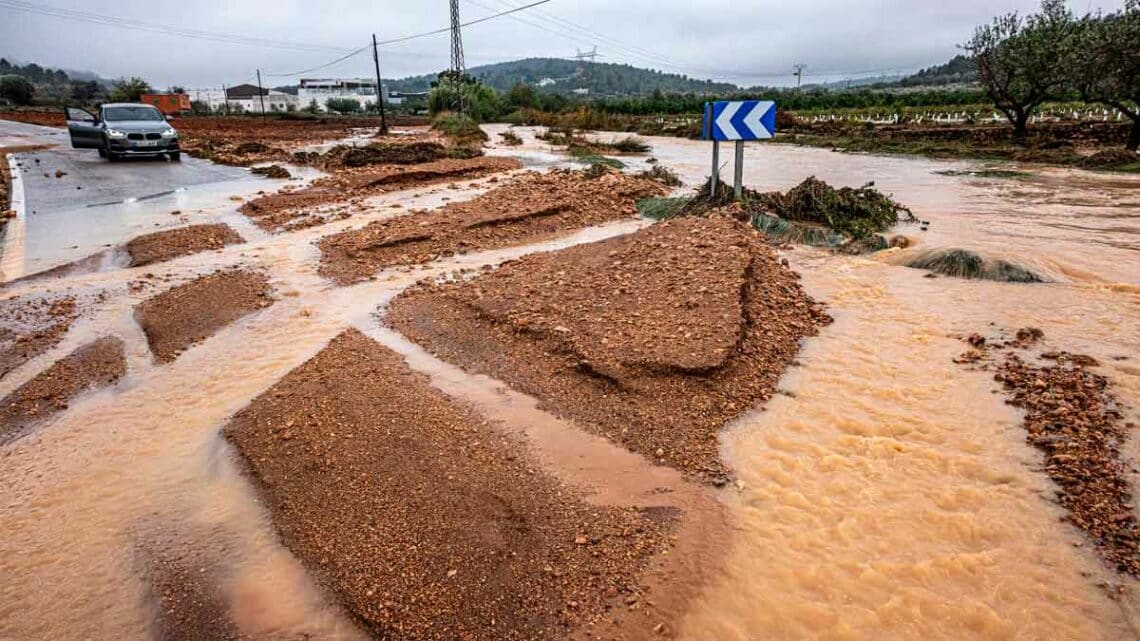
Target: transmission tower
586	70
798	72
458	71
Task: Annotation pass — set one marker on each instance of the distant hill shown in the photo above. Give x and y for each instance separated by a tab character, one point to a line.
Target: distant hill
555	75
960	70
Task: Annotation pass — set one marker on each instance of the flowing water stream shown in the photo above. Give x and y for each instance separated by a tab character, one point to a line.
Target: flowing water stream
887	494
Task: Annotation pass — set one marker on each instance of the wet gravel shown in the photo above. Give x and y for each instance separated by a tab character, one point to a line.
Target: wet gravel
191	313
182	241
426	520
1072	417
30	326
525	209
655	340
95	365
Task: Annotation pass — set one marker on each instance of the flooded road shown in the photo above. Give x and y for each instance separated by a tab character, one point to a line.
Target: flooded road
888	494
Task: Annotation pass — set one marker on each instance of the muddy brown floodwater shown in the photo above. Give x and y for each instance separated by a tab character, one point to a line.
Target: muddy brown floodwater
886	493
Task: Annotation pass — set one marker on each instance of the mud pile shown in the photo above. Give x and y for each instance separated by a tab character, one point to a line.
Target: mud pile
245	141
94	365
961	263
423	518
292	209
1072	417
183	241
404	151
526	209
654	340
31	326
189	314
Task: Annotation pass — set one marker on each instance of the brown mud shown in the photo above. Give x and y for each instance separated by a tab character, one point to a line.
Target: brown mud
1072	417
654	340
292	209
182	241
92	366
30	327
428	521
525	209
188	314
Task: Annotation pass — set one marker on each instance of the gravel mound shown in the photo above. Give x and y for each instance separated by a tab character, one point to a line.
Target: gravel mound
655	340
183	241
31	326
424	519
524	210
191	313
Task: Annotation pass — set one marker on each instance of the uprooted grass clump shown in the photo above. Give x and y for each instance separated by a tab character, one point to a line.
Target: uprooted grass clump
661	174
859	213
961	263
511	139
462	130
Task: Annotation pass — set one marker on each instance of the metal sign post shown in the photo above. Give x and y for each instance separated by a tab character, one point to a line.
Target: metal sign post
738	121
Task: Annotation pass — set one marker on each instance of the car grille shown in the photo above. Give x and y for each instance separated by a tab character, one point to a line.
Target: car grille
144	136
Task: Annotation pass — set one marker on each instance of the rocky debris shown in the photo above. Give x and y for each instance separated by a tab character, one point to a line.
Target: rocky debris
31	326
1072	417
525	209
191	313
272	171
281	211
94	365
182	241
654	340
424	519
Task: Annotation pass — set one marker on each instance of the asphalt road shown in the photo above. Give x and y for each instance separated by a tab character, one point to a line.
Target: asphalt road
77	203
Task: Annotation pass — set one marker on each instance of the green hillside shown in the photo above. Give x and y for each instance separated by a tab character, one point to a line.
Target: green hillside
603	79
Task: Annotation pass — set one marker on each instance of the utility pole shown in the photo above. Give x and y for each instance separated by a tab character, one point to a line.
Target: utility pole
379	87
798	72
458	69
261	94
225	99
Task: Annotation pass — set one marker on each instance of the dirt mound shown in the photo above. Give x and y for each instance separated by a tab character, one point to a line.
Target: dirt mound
655	340
1072	417
295	208
1111	159
523	210
961	263
183	241
411	152
189	314
427	521
272	171
94	365
31	326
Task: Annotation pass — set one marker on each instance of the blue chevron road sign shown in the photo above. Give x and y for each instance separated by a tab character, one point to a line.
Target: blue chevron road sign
740	120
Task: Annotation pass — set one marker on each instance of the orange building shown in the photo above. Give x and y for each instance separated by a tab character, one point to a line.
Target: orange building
168	103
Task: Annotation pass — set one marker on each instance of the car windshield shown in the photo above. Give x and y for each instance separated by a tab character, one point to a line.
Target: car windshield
115	114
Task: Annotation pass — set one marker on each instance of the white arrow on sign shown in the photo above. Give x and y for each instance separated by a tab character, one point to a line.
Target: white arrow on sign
724	121
753	122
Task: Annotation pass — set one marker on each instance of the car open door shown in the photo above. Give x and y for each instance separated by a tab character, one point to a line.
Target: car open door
84	129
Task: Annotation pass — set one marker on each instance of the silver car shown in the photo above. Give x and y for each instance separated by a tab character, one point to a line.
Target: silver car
123	129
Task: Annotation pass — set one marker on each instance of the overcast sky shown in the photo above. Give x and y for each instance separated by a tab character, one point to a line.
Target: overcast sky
744	41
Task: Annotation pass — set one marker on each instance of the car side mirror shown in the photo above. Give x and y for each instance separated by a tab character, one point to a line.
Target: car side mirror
168	117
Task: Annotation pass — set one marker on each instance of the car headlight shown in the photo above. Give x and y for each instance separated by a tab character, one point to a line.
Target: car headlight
115	133
170	133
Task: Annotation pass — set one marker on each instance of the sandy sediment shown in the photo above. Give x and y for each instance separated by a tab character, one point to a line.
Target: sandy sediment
182	241
31	326
525	209
425	519
191	313
97	364
189	604
654	340
295	208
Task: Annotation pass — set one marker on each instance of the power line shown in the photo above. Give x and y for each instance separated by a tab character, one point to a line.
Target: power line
447	29
322	66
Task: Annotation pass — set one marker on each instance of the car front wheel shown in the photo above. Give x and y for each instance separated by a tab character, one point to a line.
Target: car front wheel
176	156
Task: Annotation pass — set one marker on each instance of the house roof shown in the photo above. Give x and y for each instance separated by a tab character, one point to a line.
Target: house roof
245	91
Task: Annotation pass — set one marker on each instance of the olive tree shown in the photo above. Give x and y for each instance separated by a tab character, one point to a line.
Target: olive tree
1104	63
1019	60
129	90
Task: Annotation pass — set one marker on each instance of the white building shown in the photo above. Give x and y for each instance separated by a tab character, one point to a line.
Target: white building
249	98
362	90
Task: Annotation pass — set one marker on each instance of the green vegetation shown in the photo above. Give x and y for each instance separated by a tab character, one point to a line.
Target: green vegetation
663	175
16	90
464	93
961	263
987	173
663	208
130	90
590	157
343	106
857	213
461	129
511	139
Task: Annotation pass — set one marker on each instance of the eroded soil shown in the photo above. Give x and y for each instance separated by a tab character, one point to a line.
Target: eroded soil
191	313
92	366
425	519
182	241
31	326
292	209
525	209
655	340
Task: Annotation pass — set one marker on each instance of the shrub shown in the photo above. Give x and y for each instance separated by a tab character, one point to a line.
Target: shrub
461	129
